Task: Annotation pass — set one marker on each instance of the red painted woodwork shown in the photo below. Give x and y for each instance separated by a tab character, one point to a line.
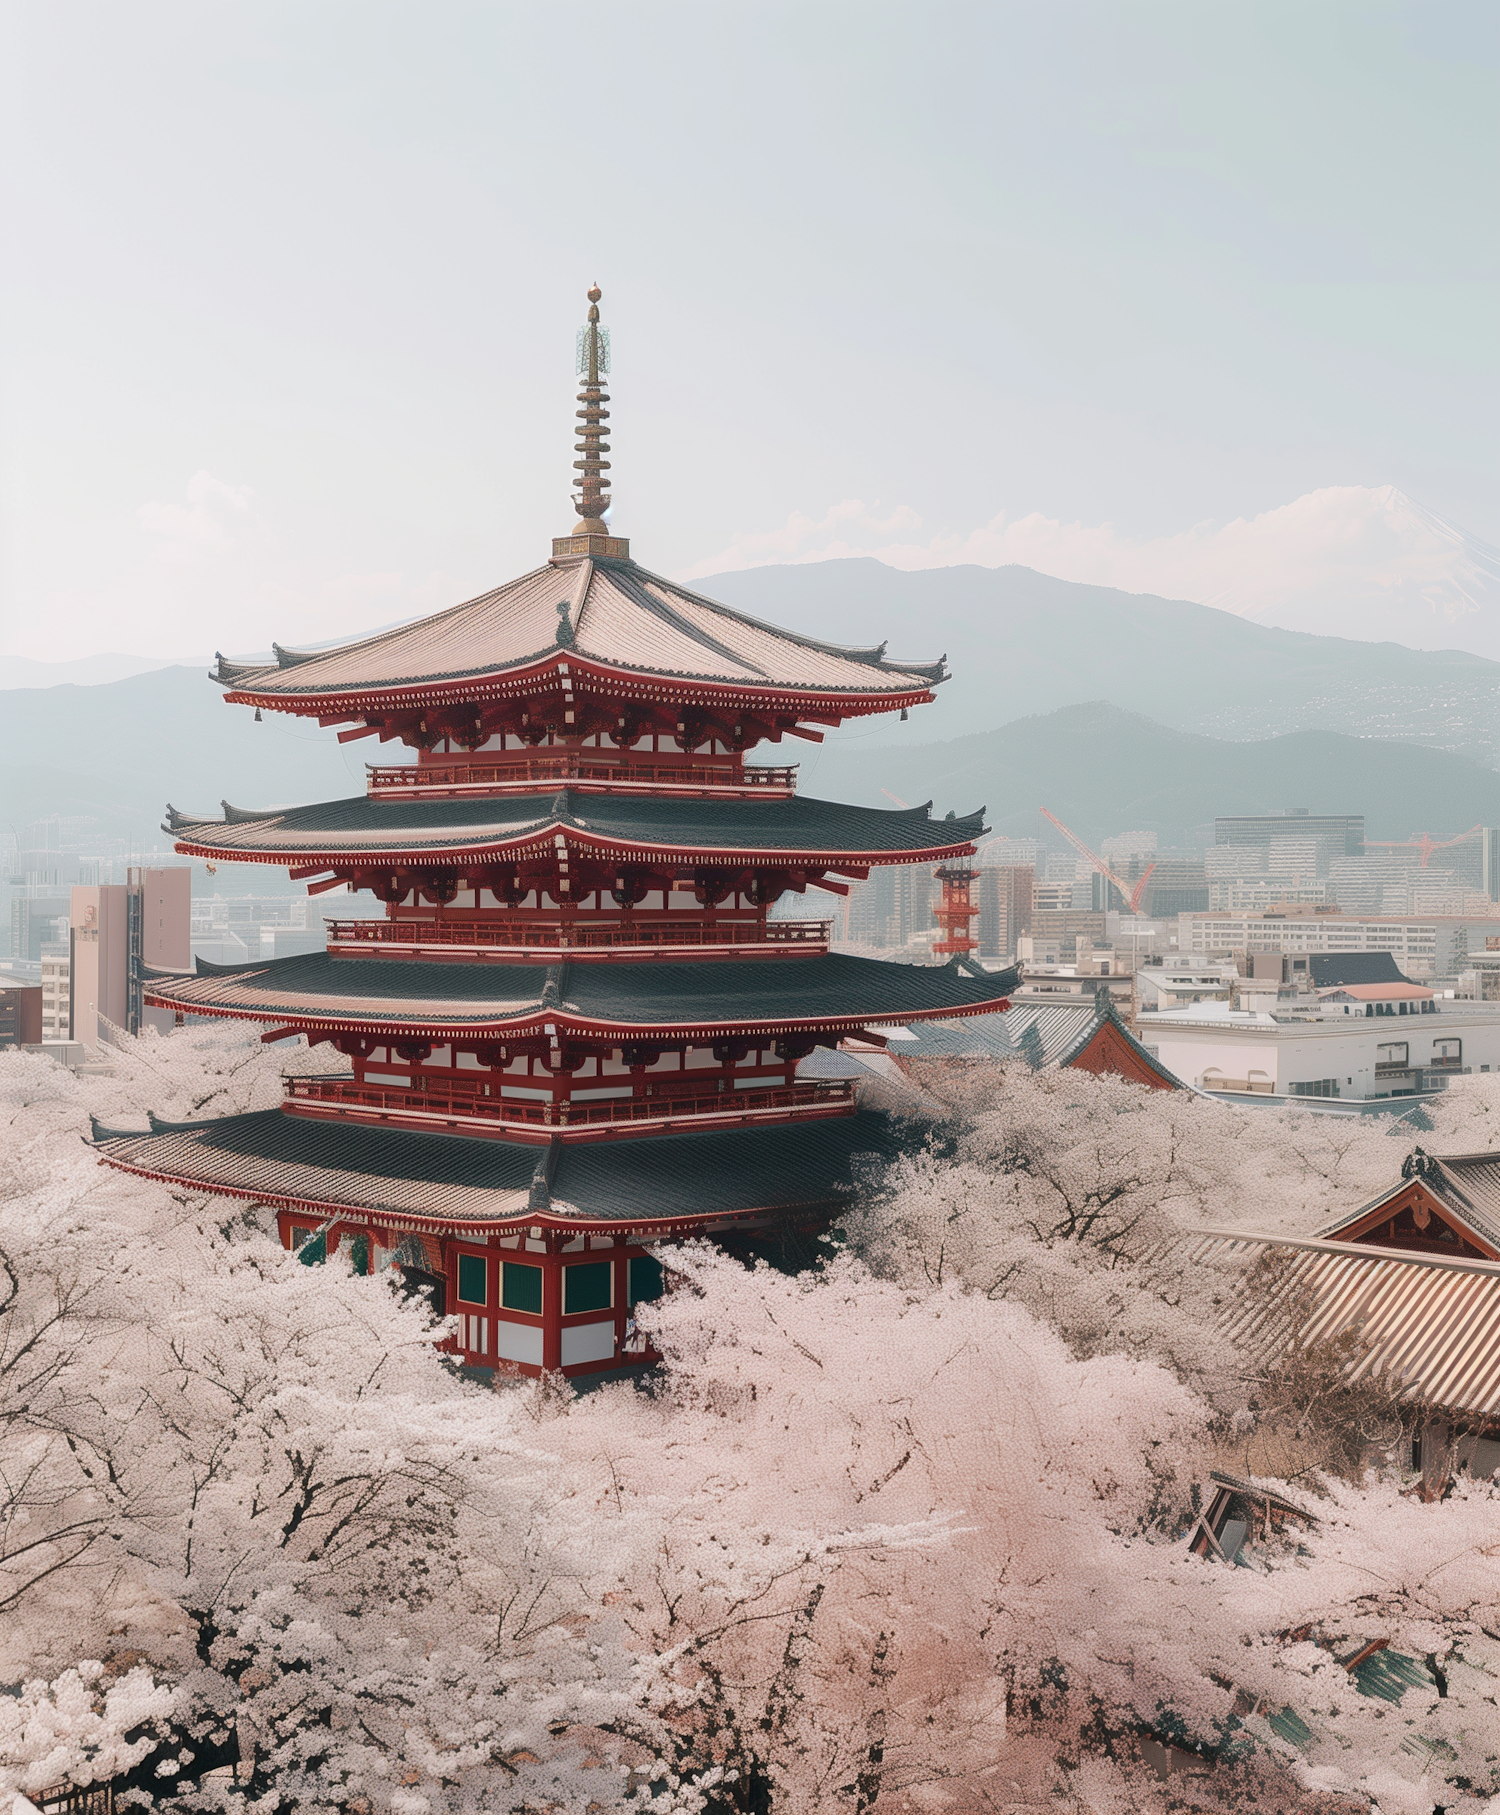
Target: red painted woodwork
469	1112
956	910
1110	1049
1416	1218
450	936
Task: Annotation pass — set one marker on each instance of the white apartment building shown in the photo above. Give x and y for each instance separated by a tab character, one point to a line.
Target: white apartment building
57	984
1324	1053
1431	946
1182	981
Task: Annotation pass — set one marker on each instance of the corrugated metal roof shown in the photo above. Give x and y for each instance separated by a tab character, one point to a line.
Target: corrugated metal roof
1427	1321
831	986
614	611
453	1178
501	825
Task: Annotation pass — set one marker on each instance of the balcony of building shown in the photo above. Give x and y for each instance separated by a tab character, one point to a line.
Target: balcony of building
546	936
612	771
469	1109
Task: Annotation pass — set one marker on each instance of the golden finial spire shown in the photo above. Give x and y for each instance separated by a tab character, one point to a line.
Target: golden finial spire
591	535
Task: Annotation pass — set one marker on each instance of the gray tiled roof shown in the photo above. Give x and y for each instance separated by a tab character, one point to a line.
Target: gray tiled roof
288	1159
1061	1030
830	987
797	828
612	611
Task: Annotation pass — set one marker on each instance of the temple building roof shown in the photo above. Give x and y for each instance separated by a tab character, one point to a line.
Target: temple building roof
831	990
794	830
443	1180
1440	1201
608	614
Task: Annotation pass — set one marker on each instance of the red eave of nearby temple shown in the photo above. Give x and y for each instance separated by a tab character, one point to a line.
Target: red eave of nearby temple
1369	1226
1110	1050
588	676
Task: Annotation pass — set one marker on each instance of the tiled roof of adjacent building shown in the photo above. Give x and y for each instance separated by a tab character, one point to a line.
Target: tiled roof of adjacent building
797	828
1425	1321
450	1179
611	612
831	989
1330	969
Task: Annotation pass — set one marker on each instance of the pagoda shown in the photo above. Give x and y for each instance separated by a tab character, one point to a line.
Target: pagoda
576	1030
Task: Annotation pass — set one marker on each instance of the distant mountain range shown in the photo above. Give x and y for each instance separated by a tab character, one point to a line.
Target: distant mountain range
1103	770
1020	642
115	754
1410	738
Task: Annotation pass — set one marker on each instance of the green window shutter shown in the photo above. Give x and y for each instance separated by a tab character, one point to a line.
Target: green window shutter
587	1288
521	1288
471	1276
645	1279
299	1235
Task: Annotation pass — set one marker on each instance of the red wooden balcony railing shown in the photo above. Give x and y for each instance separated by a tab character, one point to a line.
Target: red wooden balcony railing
476	1113
518	771
406	937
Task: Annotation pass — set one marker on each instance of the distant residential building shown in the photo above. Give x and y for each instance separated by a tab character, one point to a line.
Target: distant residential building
1094	971
1334	832
1177	885
1423	946
1052	896
20	1014
1056	933
35	921
118	931
892	910
1182	981
1362	1042
1005	896
56	993
1254	897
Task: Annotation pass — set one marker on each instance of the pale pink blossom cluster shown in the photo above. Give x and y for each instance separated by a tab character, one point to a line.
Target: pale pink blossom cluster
904	1532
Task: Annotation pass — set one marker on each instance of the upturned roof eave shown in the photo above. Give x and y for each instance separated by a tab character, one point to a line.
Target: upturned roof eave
645	1228
917	678
480	685
532	1021
412	856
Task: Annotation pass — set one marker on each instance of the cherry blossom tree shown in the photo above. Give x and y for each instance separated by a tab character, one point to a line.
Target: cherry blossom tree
906	1531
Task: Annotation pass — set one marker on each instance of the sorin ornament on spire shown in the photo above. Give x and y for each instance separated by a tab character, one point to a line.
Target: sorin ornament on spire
592	499
590	537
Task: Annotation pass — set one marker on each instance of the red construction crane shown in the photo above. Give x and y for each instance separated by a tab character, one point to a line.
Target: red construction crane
1423	843
1132	891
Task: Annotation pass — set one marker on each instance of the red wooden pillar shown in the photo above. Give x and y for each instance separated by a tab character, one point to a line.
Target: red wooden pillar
552	1285
622	1296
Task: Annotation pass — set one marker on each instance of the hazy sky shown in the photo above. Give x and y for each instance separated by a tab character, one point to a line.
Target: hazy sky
292	288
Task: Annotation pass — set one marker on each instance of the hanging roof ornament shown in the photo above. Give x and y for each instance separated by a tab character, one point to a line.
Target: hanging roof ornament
591	536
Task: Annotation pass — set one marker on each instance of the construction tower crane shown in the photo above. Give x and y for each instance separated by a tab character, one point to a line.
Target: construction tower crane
1131	891
1423	843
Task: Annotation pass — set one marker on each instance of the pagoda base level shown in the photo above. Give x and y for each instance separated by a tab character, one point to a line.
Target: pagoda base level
539	1255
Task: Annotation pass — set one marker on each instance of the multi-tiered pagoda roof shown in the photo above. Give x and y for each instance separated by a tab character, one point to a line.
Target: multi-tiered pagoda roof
579	1026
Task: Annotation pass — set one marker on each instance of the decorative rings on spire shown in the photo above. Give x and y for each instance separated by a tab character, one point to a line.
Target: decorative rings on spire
592	498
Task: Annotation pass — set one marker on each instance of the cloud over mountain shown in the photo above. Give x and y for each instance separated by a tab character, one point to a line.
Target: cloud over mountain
1348	560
